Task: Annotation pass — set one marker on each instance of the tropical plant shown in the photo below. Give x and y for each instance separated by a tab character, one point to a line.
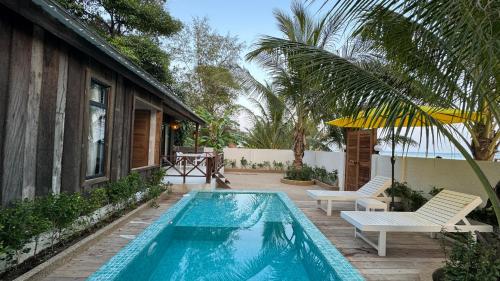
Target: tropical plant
271	123
473	260
435	58
324	176
290	81
220	131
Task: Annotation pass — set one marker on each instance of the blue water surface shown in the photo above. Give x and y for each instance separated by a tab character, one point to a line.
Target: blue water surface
230	236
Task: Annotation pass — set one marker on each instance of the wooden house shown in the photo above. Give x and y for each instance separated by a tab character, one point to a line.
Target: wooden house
74	113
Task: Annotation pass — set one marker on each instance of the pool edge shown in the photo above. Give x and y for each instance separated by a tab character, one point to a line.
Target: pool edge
113	267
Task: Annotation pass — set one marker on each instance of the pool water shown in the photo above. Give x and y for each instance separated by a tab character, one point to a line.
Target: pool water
229	236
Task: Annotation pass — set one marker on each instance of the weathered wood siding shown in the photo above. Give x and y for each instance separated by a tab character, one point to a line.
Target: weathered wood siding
43	111
5	51
45	146
17	103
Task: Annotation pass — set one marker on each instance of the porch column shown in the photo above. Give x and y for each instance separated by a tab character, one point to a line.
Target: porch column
197	132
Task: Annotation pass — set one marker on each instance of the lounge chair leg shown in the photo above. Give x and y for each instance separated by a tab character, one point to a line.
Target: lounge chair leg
433	235
318	204
329	208
382	243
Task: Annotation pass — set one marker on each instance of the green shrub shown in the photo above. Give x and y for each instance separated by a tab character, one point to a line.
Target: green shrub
473	261
23	221
484	215
156	186
20	224
96	199
324	176
411	200
301	174
243	162
278	165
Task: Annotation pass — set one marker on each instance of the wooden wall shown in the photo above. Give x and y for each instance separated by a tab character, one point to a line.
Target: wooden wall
43	87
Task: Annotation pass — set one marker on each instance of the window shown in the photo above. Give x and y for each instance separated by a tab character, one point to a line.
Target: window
96	141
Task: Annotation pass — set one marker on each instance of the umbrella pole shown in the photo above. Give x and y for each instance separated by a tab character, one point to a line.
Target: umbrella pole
393	161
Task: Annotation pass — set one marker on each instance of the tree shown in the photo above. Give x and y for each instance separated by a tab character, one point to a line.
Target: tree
294	85
272	128
220	131
134	27
451	61
206	66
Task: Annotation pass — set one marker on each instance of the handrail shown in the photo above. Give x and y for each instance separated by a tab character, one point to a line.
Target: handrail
208	164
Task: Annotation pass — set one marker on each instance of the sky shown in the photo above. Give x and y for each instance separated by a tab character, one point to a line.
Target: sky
248	20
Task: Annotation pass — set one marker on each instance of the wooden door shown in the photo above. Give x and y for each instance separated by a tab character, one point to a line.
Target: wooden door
140	148
358	157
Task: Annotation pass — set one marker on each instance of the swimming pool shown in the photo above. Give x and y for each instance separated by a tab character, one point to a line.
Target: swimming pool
230	236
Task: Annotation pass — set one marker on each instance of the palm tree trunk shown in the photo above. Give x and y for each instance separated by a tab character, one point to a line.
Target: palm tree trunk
483	146
299	145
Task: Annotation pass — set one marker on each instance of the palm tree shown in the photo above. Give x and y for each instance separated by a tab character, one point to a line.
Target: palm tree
290	80
443	53
271	124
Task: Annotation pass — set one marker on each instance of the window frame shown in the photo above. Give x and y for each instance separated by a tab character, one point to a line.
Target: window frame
101	80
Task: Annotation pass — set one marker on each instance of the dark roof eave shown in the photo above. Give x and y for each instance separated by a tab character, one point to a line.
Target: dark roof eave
78	28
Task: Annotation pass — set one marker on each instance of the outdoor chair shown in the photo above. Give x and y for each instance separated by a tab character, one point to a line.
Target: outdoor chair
375	188
446	211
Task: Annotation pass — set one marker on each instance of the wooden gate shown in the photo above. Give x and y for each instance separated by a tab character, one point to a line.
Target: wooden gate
359	152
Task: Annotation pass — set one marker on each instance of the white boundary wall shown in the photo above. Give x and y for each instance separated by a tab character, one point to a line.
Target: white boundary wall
424	173
328	160
420	173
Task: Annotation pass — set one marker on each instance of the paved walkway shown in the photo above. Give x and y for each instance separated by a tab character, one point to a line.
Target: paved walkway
410	256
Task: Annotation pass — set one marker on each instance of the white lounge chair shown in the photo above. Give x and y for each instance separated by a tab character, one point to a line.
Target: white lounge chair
444	212
373	189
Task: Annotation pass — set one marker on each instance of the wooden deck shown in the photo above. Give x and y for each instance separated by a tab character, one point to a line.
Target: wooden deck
410	256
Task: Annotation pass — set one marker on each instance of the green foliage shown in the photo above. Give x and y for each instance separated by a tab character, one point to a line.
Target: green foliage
220	131
484	215
146	53
61	210
156	186
435	190
324	176
22	222
294	83
206	66
134	27
305	173
412	55
271	127
473	261
278	165
411	200
243	162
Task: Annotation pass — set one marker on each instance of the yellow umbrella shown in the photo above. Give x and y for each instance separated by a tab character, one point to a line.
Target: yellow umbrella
371	121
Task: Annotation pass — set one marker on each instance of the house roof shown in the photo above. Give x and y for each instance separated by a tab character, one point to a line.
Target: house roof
98	48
